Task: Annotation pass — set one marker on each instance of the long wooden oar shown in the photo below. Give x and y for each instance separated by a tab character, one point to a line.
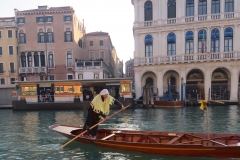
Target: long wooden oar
91	128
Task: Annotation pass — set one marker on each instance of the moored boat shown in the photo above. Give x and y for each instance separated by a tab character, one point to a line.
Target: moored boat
165	143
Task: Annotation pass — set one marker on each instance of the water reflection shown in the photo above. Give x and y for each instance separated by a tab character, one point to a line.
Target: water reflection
25	135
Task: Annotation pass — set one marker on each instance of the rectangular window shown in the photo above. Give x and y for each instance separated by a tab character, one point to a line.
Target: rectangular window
9	33
96	76
171	49
50	37
69	76
2	81
51	77
148	50
102	55
80	76
0	34
1	53
68	36
91	55
1	68
67	18
101	42
41	38
202	7
22	38
12	67
215	6
12	80
129	74
40	19
189	47
49	19
21	20
190	9
10	50
91	43
229	5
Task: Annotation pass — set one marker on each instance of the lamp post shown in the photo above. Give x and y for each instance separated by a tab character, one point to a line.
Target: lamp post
182	89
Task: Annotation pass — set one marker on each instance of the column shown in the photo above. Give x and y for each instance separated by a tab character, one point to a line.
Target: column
136	46
208	39
160	82
235	38
209	6
222	4
207	81
235	6
221	39
196	10
138	85
183	42
159	43
234	84
195	49
182	79
136	13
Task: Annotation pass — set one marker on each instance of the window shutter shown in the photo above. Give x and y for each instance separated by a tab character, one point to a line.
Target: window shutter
38	37
52	37
36	19
23	20
71	36
65	36
45	37
24	37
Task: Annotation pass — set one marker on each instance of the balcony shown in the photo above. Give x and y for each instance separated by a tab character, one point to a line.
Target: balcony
32	70
8	24
188	58
86	65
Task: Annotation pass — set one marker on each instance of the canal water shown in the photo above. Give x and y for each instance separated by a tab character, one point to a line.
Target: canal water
26	136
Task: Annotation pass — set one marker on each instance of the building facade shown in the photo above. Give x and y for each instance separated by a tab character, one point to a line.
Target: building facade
48	42
98	58
129	69
183	42
8	51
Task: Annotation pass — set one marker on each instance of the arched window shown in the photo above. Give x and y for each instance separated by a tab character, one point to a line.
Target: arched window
23	59
215	6
202	47
22	37
42	59
171	8
148	16
50	38
50	60
202	7
171	40
189	42
229	5
69	59
228	40
215	40
189	8
148	46
36	59
41	36
29	59
149	81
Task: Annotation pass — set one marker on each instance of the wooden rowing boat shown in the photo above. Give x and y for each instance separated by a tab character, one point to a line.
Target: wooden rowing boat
165	143
163	103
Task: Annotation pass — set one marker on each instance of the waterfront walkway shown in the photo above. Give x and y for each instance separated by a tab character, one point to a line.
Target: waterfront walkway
2	106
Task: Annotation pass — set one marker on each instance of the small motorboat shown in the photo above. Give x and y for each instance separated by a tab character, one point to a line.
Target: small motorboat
164	143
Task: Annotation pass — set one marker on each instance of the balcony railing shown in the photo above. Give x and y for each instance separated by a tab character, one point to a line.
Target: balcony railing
201	57
206	17
8	24
83	65
32	70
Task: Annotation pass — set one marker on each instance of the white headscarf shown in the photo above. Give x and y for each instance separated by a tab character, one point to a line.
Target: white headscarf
104	92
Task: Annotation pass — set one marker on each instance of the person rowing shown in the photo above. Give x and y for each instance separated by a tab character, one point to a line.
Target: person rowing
99	109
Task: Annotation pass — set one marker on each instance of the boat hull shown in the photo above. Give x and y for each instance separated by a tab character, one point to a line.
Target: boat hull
167	146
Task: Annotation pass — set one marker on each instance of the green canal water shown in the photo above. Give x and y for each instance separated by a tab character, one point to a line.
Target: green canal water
26	136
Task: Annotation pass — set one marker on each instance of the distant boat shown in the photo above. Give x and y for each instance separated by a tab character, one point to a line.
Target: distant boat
165	143
163	103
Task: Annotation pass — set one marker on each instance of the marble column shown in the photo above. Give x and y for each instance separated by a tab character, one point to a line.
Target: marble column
195	49
221	39
234	83
160	82
138	85
208	39
207	81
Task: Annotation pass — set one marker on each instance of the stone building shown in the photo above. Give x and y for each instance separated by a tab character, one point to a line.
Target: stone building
48	42
183	42
98	58
8	51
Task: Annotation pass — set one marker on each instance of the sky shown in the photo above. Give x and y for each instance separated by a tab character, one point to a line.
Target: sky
113	16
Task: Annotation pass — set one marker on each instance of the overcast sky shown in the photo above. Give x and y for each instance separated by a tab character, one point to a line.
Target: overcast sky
113	16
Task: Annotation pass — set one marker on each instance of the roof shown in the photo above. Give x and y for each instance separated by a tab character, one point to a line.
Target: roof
50	9
7	18
97	34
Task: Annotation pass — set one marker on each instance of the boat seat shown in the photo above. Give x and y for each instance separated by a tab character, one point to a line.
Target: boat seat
113	134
